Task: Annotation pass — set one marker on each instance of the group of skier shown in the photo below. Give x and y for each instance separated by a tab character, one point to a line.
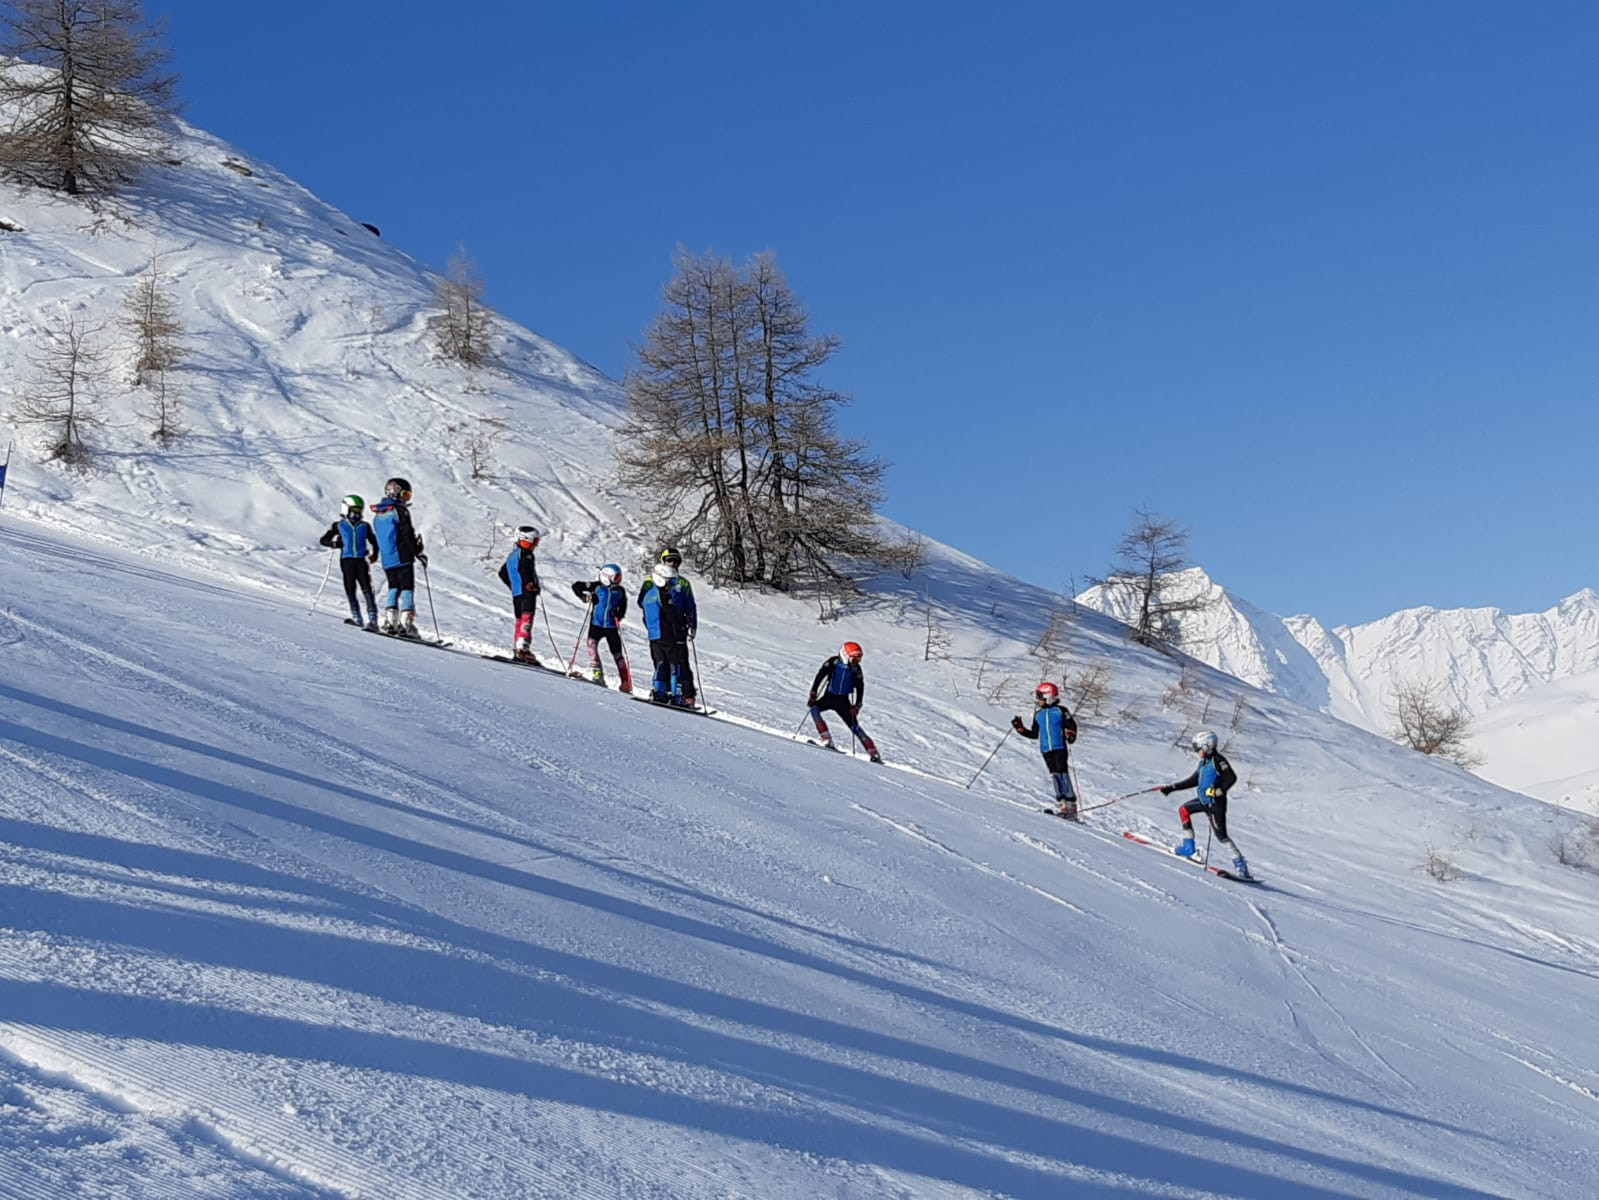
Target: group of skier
391	540
671	619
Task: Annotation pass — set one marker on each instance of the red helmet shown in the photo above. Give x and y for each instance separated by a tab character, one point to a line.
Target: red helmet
1047	693
851	652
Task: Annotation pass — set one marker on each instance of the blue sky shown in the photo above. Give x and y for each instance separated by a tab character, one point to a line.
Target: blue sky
1320	280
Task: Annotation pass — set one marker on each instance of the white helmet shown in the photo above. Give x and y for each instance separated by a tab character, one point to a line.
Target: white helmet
610	573
1204	742
527	535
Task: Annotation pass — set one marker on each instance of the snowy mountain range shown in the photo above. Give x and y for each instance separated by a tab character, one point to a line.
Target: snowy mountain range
291	910
1479	659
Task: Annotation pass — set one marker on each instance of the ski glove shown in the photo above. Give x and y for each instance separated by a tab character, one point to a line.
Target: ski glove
1164	789
810	701
691	633
1016	724
422	558
530	588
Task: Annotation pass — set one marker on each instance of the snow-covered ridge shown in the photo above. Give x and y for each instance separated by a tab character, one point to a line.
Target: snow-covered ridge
1475	657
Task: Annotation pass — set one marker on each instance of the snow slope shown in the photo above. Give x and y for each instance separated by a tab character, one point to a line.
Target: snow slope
1541	743
294	910
291	910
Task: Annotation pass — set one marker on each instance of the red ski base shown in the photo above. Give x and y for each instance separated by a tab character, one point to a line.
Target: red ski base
1153	845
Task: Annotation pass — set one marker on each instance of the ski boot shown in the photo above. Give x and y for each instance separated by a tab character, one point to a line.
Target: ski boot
1241	868
875	757
597	675
391	621
1185	849
407	627
1067	809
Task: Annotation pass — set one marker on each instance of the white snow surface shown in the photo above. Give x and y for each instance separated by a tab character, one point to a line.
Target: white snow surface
1541	743
291	910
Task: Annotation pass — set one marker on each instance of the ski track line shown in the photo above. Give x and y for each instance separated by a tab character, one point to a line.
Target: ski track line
1554	1076
912	832
1285	953
188	696
73	785
1133	886
80	1061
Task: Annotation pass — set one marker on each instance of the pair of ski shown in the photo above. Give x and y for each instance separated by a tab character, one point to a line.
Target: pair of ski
1141	840
399	637
836	750
582	678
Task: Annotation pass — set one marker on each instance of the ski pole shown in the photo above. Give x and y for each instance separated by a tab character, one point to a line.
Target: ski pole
1118	799
801	724
989	759
431	610
587	612
550	633
699	676
325	574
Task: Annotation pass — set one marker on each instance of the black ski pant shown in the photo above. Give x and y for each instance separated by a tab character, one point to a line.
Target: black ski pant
358	574
1058	764
673	675
1215	809
840	705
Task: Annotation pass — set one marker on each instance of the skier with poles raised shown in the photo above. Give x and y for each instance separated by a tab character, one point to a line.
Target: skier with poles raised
607	601
1213	777
399	550
840	686
670	617
519	572
358	548
1054	729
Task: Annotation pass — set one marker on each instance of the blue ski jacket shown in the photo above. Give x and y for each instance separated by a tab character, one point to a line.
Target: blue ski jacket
520	572
354	539
669	612
1053	727
1214	774
398	541
840	678
610	602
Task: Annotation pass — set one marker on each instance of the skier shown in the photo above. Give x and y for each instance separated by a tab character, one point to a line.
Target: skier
400	549
609	601
840	686
670	617
1214	776
520	573
1054	729
357	548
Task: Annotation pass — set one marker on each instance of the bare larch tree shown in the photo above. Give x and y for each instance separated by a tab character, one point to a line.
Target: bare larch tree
91	101
1424	723
150	319
59	398
734	443
463	324
1148	555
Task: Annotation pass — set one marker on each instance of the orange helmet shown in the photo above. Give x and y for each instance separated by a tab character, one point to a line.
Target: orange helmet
1047	693
851	652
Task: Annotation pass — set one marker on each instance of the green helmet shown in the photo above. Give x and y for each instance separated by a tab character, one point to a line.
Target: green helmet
354	506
